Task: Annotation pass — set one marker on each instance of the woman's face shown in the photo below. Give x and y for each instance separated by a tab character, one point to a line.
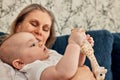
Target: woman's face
38	23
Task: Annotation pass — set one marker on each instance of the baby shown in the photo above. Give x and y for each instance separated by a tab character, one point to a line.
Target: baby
24	52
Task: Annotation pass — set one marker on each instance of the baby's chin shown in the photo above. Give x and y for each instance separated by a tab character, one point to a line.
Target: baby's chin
47	54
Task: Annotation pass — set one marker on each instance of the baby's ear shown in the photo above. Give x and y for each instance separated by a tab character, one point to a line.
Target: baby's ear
18	64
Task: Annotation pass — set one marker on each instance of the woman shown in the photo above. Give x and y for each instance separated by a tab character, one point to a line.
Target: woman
40	22
37	20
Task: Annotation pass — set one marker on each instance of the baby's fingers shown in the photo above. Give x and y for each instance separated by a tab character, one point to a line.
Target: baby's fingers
90	39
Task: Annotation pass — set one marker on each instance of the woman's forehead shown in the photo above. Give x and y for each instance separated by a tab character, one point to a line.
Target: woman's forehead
41	16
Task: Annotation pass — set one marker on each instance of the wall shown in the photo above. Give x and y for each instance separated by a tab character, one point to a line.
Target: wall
89	14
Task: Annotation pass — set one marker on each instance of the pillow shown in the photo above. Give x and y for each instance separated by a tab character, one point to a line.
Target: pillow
2	33
60	44
116	57
102	48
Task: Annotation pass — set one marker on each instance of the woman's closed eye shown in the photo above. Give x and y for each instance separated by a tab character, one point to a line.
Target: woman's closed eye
34	23
46	28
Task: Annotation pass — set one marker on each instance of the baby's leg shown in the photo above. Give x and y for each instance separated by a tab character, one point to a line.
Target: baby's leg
83	73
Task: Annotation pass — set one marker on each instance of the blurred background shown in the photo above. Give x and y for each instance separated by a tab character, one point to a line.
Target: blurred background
88	14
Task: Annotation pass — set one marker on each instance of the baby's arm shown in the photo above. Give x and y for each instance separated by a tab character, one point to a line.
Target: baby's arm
68	65
83	36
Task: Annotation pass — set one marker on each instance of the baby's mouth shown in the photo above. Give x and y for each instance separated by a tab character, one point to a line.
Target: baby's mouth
45	50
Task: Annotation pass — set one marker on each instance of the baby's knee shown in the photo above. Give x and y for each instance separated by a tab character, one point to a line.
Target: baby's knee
86	67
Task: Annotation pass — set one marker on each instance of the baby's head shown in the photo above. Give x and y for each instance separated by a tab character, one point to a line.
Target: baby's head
22	48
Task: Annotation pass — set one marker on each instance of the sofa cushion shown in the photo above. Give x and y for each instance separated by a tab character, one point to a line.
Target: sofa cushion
2	37
60	44
102	48
116	57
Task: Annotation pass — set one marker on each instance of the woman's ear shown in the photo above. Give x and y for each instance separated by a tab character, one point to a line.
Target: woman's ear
18	28
18	64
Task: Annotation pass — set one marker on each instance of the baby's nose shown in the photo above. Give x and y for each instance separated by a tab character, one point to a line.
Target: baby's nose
40	44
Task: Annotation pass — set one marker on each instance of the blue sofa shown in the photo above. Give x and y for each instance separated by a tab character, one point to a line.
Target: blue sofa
106	48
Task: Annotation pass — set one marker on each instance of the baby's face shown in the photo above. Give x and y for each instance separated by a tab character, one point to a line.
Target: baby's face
30	48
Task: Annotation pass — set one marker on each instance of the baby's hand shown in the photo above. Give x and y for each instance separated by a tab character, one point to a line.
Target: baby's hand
77	36
90	40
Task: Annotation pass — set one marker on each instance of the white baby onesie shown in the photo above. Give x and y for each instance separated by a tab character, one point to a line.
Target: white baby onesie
33	70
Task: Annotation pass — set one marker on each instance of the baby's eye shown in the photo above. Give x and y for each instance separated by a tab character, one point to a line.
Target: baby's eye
33	45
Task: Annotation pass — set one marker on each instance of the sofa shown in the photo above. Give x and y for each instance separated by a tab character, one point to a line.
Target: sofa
106	50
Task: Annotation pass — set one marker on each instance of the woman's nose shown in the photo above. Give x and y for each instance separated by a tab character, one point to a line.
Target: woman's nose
38	31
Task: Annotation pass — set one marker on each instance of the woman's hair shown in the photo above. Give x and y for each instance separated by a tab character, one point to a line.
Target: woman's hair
22	15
